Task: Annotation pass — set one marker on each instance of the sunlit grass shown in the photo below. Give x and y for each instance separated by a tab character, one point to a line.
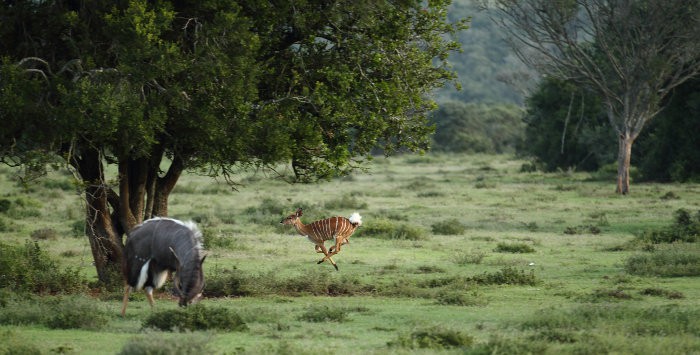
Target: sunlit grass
390	286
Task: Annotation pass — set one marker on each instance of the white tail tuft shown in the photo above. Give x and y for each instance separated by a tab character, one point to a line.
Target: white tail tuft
355	218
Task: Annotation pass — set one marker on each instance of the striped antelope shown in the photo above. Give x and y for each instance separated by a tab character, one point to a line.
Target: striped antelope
160	246
334	228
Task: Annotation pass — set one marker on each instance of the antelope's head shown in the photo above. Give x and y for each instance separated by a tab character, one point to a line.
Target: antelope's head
189	281
292	218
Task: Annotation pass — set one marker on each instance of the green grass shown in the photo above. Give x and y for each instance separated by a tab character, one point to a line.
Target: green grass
457	254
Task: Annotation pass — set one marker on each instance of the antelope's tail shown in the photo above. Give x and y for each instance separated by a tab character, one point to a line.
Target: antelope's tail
356	219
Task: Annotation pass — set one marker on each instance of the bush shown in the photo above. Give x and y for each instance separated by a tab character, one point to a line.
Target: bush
75	312
386	229
195	317
514	248
686	228
468	258
437	338
506	276
448	227
30	269
318	314
157	344
460	298
676	262
44	234
345	202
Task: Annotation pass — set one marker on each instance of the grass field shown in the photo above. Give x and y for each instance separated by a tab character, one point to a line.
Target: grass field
457	254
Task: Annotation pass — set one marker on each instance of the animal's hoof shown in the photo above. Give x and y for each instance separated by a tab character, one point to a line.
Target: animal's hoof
320	261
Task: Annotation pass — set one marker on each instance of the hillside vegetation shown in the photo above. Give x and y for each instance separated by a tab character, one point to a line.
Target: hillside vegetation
457	254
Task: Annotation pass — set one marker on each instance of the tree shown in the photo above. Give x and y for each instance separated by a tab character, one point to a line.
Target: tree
157	88
477	128
566	127
632	53
670	147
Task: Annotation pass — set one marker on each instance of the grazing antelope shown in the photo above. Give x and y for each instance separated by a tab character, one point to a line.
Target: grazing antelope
160	246
334	228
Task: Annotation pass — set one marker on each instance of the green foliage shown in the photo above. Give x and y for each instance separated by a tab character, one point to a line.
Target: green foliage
506	276
435	338
668	149
566	128
44	234
686	228
345	202
514	248
65	312
448	227
477	128
626	319
388	229
195	317
318	314
461	298
153	343
678	261
28	268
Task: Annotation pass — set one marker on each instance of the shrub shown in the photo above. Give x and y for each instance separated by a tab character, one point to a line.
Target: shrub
44	234
386	229
5	205
686	228
196	317
514	248
506	276
157	344
463	258
653	291
674	262
28	268
437	338
448	227
318	314
75	312
582	229
460	298
345	202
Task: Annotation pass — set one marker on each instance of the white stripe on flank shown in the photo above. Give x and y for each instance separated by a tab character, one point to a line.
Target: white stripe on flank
143	275
160	278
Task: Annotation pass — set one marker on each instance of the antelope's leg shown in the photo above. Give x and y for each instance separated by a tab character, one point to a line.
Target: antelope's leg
149	295
127	289
318	249
327	257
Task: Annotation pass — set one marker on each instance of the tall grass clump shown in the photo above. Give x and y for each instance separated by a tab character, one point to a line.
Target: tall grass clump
516	248
65	312
678	261
319	314
387	229
506	276
685	228
195	317
28	268
153	343
448	227
345	202
622	318
435	338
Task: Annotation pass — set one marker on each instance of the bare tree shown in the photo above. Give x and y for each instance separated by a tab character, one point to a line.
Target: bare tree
630	52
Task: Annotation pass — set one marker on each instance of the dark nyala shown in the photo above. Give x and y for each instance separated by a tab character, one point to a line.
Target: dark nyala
158	247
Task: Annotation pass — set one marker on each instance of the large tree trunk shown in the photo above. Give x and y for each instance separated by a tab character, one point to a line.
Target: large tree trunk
164	186
623	163
102	226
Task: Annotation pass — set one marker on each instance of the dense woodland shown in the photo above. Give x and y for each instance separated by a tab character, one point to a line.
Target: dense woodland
563	124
